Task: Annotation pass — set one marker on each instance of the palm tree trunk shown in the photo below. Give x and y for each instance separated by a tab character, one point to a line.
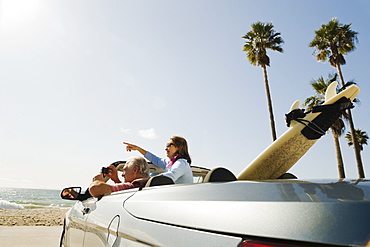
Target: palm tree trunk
340	75
360	168
269	103
339	157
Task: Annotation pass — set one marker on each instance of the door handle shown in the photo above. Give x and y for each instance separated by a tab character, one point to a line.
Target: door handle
86	210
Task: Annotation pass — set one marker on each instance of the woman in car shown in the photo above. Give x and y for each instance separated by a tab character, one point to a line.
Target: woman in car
177	164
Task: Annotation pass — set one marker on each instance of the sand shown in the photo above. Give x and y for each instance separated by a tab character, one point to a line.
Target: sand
31	227
32	217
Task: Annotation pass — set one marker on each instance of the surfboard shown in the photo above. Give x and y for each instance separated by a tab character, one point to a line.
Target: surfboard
302	134
294	106
331	91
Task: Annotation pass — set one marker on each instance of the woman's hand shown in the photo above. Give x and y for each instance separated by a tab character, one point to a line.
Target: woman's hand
130	147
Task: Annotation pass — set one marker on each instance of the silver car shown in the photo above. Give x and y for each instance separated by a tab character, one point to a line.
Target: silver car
218	210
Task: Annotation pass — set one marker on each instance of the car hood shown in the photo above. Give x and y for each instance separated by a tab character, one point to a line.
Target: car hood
334	212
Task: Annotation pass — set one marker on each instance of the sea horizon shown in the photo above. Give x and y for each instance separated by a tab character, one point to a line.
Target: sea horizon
26	198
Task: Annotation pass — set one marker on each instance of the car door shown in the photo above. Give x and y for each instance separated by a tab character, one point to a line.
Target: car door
75	225
104	218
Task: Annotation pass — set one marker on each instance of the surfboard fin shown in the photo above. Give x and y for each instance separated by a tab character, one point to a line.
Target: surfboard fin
331	91
295	105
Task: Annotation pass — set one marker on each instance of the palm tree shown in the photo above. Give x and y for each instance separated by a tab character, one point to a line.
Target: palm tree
361	137
259	39
332	41
338	127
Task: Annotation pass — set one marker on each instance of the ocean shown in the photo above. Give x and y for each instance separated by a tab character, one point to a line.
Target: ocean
17	198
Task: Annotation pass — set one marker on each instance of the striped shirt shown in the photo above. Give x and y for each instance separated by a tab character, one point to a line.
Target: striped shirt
123	186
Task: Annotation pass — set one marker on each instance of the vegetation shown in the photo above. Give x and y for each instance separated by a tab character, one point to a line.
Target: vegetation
332	41
361	137
259	39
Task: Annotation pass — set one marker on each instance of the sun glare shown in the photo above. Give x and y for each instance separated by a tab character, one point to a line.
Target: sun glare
17	13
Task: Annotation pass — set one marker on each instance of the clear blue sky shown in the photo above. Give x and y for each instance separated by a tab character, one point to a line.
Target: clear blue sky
79	77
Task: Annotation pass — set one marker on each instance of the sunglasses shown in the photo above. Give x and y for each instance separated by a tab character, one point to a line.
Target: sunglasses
169	145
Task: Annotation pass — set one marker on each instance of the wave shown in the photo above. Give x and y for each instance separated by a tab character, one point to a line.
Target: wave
15	198
9	205
33	205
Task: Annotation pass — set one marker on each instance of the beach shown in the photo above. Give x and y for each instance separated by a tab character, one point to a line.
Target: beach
32	217
31	227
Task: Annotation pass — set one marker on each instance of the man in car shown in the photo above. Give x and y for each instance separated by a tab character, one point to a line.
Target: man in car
135	173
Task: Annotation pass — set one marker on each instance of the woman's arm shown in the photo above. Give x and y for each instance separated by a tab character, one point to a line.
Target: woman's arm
162	163
148	155
130	147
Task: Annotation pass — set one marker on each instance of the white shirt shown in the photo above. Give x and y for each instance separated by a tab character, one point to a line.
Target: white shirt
180	172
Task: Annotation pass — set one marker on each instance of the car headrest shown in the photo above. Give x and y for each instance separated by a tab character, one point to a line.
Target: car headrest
219	174
159	180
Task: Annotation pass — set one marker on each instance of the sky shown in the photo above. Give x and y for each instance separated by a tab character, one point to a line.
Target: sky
77	78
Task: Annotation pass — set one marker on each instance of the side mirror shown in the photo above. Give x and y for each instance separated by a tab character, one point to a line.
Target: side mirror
71	193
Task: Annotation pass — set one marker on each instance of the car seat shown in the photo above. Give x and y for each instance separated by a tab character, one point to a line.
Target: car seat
219	174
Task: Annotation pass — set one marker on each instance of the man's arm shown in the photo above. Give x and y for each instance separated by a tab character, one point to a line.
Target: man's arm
99	188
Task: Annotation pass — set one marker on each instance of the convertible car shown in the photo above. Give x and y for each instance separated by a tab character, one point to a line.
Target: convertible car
219	210
263	206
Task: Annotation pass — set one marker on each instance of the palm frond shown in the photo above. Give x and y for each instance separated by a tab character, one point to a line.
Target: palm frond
258	40
332	41
361	137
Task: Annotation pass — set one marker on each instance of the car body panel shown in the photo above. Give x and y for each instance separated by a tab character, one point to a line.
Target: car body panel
222	214
298	210
108	224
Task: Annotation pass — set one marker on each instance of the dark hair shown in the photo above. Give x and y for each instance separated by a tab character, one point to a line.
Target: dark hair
182	145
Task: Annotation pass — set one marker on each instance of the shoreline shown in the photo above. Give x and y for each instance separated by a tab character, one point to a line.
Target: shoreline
32	217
